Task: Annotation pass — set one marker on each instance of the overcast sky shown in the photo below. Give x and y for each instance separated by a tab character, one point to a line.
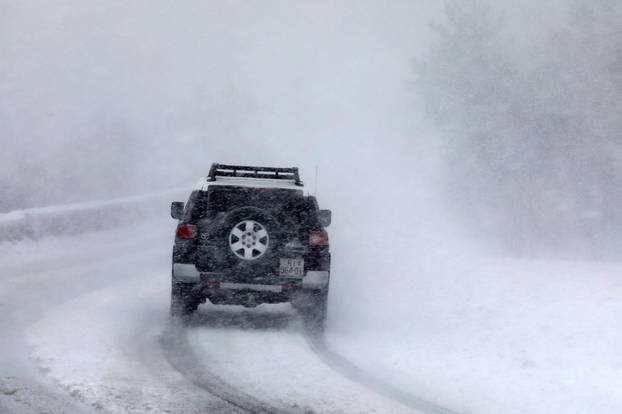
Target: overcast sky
283	82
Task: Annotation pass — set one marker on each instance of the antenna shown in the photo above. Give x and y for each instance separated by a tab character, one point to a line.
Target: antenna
316	169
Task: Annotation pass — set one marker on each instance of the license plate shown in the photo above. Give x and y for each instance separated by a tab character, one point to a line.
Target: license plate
292	267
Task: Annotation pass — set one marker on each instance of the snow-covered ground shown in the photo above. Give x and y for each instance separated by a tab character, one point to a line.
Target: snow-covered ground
97	330
87	317
274	361
103	347
491	335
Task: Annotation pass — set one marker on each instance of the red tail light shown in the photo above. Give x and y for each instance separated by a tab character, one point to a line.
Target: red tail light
187	231
288	286
213	284
318	238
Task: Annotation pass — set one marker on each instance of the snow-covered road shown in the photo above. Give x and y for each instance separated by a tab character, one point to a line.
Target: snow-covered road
88	326
85	329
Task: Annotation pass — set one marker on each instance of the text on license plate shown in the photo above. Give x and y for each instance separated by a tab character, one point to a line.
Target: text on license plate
292	267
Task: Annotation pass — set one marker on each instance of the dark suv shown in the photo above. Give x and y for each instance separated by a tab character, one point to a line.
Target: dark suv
249	235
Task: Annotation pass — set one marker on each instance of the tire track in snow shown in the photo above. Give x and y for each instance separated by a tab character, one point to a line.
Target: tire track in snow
346	368
181	356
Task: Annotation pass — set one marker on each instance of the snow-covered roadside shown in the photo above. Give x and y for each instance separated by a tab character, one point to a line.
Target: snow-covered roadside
19	397
103	347
39	276
491	336
33	257
77	218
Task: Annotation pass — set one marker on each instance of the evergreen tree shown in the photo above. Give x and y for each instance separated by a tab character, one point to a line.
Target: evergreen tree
534	147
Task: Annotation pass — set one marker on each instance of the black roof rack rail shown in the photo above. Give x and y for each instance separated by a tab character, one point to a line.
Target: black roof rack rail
244	171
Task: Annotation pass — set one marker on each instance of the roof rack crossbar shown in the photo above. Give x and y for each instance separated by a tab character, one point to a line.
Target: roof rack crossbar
244	171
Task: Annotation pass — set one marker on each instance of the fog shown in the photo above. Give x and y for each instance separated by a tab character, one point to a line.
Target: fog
100	101
443	136
116	98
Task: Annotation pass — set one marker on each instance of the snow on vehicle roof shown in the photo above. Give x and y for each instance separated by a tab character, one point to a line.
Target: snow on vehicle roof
203	183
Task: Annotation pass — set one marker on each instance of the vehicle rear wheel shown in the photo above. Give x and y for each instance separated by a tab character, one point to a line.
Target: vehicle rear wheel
183	301
314	313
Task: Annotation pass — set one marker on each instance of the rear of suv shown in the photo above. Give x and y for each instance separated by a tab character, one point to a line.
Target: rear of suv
247	236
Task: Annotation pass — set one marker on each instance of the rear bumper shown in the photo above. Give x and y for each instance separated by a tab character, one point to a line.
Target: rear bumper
188	273
251	286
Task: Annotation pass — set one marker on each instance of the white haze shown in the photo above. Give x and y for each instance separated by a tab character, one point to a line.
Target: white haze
109	99
161	90
104	99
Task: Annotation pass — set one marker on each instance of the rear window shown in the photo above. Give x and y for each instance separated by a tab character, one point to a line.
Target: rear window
223	198
217	199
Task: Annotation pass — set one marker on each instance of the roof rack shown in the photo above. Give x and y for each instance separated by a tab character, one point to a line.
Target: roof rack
244	171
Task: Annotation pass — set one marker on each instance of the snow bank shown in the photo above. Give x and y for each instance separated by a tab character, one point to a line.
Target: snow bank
102	347
12	225
80	217
490	335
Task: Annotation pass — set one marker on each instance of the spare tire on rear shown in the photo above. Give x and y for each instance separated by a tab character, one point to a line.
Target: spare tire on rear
252	236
